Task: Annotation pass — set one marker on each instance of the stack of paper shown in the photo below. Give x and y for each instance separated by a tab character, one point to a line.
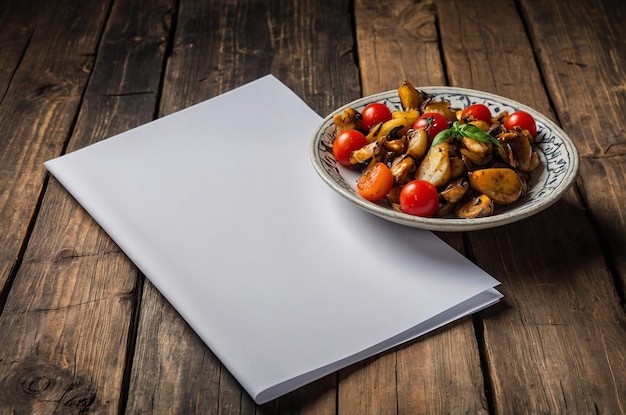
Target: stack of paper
283	279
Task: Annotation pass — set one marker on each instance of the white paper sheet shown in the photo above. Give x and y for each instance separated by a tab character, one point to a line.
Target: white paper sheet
283	279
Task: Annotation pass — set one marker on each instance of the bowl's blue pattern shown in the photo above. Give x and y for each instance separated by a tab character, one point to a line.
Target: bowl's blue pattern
557	172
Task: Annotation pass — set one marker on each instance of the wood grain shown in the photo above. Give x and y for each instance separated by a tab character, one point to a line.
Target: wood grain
567	40
71	304
244	40
37	110
577	74
486	47
603	188
396	40
540	308
82	331
16	19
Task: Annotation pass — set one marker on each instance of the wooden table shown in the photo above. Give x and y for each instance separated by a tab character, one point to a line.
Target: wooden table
81	330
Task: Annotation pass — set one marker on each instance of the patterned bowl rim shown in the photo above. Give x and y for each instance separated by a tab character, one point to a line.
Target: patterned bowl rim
557	151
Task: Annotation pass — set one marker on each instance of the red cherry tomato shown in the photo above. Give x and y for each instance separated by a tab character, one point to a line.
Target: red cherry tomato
432	122
345	143
523	120
375	182
419	198
373	114
476	112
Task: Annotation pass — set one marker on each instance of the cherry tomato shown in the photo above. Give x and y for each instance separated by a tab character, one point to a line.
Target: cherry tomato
476	112
375	182
523	120
373	114
345	143
432	122
419	198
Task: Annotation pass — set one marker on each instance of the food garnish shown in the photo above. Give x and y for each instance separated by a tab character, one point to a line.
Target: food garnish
429	159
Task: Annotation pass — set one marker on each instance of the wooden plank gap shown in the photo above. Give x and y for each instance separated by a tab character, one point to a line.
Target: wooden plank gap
131	345
479	329
93	59
15	69
603	240
169	49
442	56
4	291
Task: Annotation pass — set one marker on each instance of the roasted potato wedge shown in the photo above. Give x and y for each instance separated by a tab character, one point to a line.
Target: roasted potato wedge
440	107
457	167
394	128
500	184
417	143
435	167
476	165
349	119
402	169
477	152
410	98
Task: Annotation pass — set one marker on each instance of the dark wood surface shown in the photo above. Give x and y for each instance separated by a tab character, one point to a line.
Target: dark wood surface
82	331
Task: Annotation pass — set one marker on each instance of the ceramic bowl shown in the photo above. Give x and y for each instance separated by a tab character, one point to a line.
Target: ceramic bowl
558	169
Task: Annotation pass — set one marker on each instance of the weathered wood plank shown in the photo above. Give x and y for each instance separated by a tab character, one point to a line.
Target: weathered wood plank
588	88
218	46
552	302
18	21
478	56
65	352
603	189
37	111
71	304
397	41
557	343
589	93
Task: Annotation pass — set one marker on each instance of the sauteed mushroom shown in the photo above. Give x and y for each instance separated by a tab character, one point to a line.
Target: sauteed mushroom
477	207
476	165
402	168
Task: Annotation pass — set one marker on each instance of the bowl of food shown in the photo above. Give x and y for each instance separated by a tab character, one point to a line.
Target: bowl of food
444	158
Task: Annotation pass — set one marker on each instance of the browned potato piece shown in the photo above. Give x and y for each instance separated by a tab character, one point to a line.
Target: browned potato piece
395	127
477	152
457	167
409	96
401	168
418	143
477	207
397	146
475	146
500	184
349	119
481	124
435	167
440	107
410	114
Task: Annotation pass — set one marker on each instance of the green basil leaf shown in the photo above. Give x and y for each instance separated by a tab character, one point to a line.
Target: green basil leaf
476	133
443	136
